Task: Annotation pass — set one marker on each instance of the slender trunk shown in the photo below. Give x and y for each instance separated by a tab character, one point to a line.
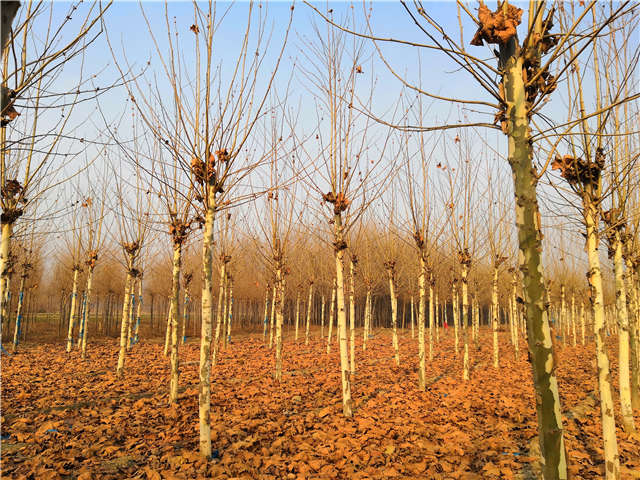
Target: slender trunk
225	319
431	284
456	311
437	319
88	316
138	311
17	329
612	460
394	314
131	310
204	396
72	312
514	310
422	298
563	313
297	314
634	340
279	302
494	316
273	316
582	326
331	314
367	319
322	319
342	321
412	319
5	248
123	324
230	314
266	316
185	316
309	307
175	314
465	319
167	333
623	334
527	216
352	316
219	313
573	319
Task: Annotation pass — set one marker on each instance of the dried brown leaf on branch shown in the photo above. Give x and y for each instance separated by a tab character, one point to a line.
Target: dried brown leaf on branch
497	27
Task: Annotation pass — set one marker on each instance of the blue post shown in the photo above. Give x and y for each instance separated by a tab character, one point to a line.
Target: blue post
230	317
133	306
135	332
83	319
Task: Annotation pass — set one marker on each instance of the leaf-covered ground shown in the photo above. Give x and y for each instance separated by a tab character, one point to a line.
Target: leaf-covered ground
67	418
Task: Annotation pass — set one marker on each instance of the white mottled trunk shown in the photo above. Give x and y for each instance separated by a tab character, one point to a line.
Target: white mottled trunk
422	299
394	316
279	321
331	314
72	311
342	328
273	316
352	317
465	320
494	316
126	305
204	396
175	314
16	332
309	307
297	315
220	312
611	457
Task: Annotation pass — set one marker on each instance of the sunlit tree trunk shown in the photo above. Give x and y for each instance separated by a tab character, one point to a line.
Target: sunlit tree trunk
352	315
574	338
422	299
167	333
412	319
273	316
204	395
494	316
437	319
394	310
520	156
266	315
72	312
88	309
331	314
322	319
465	318
367	319
340	247
220	312
582	323
132	306
5	249
612	460
456	311
563	313
136	330
185	316
230	315
175	314
431	285
126	305
279	286
309	307
634	340
18	325
624	377
297	314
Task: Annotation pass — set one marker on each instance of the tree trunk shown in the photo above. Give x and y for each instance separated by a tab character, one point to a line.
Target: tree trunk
352	316
394	315
612	460
266	316
297	314
138	311
322	319
227	338
279	303
273	316
431	282
309	307
219	313
367	319
422	298
72	311
175	314
331	314
494	316
88	308
17	329
527	216
456	321
123	324
623	335
465	320
342	317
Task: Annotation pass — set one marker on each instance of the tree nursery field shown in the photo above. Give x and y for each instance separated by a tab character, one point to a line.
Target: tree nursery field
65	418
